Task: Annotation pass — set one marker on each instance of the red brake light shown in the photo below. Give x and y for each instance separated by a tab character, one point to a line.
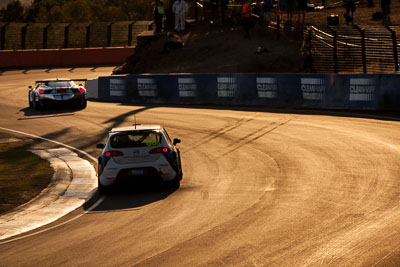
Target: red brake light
81	89
159	150
113	153
41	90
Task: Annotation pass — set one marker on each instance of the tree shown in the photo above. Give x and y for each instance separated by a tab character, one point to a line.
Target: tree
14	12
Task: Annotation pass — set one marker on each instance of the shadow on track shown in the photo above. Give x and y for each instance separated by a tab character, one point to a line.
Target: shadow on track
133	195
115	122
77	141
385	115
51	111
51	136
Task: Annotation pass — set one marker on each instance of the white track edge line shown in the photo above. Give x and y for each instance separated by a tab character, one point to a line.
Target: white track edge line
98	202
67	146
52	141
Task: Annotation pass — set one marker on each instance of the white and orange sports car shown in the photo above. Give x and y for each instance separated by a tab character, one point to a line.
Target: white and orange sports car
57	91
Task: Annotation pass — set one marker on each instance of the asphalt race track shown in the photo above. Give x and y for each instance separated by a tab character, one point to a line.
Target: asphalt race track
260	188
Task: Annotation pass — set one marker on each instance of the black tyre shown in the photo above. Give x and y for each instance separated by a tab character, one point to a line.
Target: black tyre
36	105
176	183
83	104
102	189
29	100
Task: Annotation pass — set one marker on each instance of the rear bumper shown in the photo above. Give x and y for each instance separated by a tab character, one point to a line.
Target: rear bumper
159	170
65	102
61	98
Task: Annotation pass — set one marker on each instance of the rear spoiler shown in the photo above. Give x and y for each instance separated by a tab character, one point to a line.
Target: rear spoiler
62	80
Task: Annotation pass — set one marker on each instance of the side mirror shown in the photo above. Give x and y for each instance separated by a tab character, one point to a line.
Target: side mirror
177	141
101	146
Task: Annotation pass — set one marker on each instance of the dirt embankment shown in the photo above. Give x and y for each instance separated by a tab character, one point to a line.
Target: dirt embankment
207	49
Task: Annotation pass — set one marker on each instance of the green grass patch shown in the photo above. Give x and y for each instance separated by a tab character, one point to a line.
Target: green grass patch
23	175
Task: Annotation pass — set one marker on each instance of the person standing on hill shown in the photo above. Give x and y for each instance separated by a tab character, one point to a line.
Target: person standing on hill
256	8
246	17
289	10
158	14
301	9
266	11
282	7
385	5
180	8
350	6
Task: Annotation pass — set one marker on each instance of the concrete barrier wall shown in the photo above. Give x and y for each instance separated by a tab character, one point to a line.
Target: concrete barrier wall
71	35
352	91
63	57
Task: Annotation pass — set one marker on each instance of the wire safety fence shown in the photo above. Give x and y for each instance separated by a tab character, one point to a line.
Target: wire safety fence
354	49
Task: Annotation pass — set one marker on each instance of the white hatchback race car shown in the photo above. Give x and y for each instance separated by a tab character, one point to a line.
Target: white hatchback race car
139	151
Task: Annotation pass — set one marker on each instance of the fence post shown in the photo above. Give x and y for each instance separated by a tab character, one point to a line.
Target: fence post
364	56
23	36
196	14
45	30
88	35
310	50
66	35
109	35
130	34
335	61
3	36
396	58
395	54
278	25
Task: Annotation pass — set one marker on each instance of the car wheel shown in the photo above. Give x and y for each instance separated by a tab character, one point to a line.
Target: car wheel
176	183
83	104
29	100
36	105
102	189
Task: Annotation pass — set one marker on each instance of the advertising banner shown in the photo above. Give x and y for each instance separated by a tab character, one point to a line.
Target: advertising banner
344	91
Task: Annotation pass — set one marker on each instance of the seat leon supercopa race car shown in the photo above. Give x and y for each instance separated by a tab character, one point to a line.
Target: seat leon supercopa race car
139	152
57	91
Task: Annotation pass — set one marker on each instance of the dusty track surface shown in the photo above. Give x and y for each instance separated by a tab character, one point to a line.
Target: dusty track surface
259	188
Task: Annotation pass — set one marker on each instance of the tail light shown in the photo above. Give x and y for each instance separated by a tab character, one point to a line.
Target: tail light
106	158
113	153
159	150
41	90
81	89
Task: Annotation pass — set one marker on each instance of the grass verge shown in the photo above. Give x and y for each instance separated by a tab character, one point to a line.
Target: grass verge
23	175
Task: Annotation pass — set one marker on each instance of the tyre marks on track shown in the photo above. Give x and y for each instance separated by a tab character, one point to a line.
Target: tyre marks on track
254	136
220	132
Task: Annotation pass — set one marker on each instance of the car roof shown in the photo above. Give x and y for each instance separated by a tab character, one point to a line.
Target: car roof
57	79
61	80
137	127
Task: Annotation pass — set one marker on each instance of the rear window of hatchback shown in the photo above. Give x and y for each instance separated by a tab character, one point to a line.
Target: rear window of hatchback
136	139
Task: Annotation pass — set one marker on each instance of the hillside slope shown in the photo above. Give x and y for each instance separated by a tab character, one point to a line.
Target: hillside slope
209	50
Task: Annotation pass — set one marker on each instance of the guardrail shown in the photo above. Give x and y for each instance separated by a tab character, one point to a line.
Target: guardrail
354	49
334	91
16	36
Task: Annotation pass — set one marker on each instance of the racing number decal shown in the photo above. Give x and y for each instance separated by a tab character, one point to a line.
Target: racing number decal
152	143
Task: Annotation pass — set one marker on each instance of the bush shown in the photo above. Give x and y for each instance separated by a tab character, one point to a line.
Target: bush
50	11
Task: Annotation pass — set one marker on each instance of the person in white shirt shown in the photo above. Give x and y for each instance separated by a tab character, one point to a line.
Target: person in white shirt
180	8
